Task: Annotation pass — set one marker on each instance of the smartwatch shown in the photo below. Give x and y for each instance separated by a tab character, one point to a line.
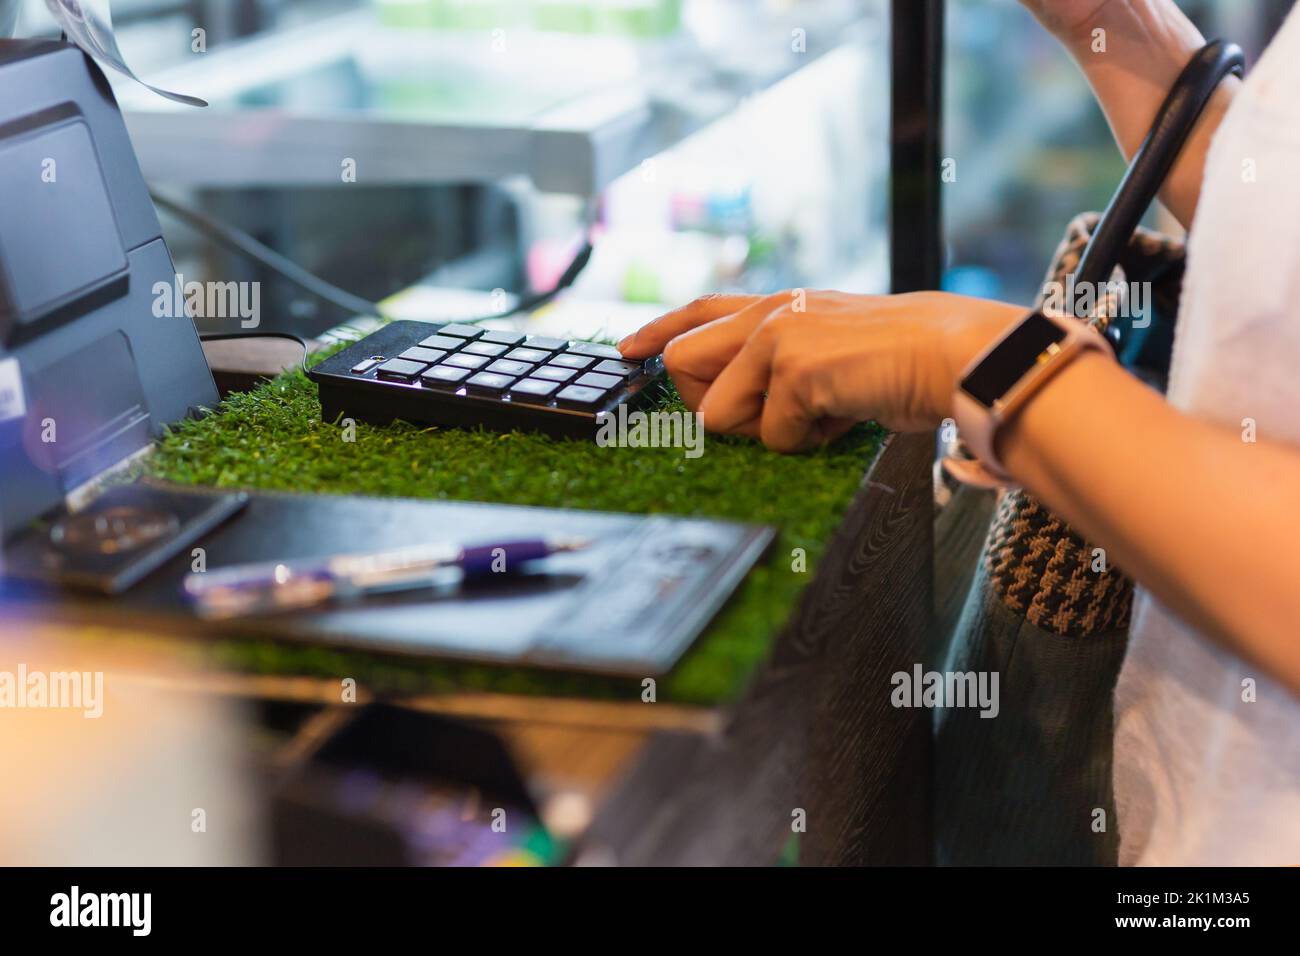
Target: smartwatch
1003	378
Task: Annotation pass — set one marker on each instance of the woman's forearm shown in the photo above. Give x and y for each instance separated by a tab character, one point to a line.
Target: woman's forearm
1206	520
1131	52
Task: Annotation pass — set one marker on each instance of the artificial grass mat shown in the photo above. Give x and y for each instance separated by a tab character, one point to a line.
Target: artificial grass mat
272	438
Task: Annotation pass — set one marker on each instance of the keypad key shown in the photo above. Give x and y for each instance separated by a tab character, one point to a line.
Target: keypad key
461	360
615	367
580	396
417	354
602	382
554	373
461	331
365	365
490	349
400	370
535	391
528	355
444	376
445	342
546	344
599	351
569	360
507	367
489	382
503	338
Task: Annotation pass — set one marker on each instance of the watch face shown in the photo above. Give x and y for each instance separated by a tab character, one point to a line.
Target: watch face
1011	359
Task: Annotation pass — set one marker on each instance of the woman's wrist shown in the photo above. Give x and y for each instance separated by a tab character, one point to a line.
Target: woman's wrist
976	324
1066	22
1154	33
1026	443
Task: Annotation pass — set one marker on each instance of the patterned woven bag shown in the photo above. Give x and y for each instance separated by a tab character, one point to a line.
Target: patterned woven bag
1033	786
1035	562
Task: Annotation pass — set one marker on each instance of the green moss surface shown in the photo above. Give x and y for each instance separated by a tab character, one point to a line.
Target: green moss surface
273	438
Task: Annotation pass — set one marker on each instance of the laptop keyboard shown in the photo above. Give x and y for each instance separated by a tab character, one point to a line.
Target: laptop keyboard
466	376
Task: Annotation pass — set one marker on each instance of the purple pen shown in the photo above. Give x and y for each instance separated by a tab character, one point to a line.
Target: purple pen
268	586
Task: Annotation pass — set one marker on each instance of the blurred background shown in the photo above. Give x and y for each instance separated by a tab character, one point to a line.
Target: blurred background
709	144
1033	148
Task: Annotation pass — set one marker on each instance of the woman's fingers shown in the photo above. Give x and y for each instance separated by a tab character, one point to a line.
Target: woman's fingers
651	338
787	425
758	395
691	387
735	400
722	354
696	357
747	399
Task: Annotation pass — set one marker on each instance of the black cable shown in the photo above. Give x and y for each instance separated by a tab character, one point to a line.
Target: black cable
241	242
538	299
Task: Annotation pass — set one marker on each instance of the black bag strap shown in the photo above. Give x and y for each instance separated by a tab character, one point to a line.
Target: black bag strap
1153	161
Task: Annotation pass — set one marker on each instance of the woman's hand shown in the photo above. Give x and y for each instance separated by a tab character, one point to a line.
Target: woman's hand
797	369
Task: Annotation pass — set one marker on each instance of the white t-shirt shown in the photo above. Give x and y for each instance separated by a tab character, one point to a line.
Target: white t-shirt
1207	747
